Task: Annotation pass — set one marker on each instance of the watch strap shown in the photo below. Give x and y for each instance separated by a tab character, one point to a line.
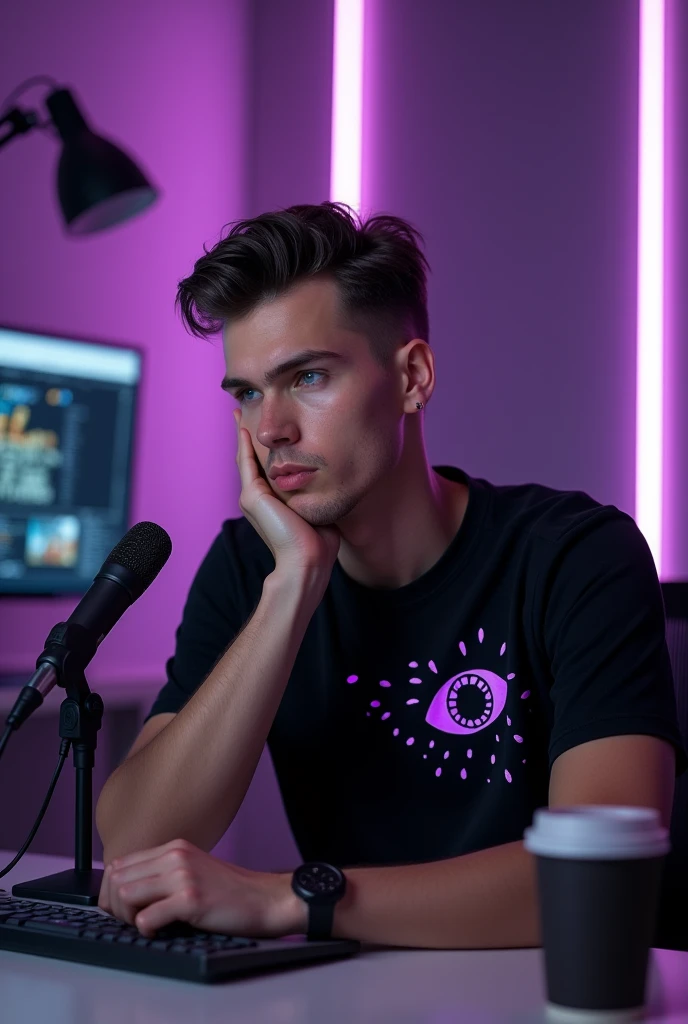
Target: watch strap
320	920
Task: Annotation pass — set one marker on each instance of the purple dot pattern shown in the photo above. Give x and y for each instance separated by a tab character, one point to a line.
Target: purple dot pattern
437	723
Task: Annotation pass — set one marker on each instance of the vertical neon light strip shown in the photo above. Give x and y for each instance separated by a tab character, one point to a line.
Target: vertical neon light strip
650	344
347	103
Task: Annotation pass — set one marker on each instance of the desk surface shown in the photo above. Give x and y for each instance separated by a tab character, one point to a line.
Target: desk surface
376	987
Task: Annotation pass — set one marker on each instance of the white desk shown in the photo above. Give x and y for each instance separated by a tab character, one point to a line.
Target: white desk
376	987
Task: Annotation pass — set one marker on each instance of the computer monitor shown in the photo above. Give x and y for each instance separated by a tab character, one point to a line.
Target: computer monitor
67	414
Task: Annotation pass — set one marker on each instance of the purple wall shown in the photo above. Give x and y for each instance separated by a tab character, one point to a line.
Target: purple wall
290	76
172	91
508	134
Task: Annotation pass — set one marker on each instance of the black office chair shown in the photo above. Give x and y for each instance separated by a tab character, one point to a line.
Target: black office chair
672	924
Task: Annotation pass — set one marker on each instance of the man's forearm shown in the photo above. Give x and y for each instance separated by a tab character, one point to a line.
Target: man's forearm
482	900
190	779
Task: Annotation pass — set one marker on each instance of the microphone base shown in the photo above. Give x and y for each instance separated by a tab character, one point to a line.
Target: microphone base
71	886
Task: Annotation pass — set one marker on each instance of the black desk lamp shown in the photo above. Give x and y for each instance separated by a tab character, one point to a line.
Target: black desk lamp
98	185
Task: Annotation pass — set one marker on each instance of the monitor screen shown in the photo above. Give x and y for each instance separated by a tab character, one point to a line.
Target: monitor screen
67	412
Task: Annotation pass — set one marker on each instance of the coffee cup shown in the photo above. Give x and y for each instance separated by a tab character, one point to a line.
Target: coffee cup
599	872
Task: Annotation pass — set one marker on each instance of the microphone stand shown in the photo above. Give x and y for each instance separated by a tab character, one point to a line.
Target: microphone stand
68	649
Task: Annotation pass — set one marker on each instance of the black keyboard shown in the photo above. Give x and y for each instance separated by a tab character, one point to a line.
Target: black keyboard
68	932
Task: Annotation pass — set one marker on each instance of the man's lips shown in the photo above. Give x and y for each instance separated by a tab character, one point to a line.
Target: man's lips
292	481
288	469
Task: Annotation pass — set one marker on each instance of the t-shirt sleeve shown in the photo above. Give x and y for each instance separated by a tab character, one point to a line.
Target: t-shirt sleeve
605	636
210	621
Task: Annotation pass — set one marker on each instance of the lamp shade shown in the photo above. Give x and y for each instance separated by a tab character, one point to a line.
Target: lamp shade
98	185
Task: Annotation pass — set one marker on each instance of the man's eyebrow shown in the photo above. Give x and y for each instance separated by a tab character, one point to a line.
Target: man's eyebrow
277	371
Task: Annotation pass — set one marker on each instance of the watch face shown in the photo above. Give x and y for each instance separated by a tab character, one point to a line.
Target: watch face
319	879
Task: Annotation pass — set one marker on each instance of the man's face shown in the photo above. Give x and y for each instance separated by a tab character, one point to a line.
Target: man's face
341	415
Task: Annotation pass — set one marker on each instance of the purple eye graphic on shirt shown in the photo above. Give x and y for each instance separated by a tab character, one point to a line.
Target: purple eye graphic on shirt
468	702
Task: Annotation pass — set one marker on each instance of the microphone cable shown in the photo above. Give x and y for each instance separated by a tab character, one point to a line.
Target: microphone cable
64	751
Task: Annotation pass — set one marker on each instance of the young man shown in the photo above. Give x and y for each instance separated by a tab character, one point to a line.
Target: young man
428	656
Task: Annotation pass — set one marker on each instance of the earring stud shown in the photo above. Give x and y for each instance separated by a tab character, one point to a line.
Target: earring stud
419	405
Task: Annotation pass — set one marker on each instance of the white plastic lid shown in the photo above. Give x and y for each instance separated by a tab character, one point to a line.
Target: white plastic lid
595	832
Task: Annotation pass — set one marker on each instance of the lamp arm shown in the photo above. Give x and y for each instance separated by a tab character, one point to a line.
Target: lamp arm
19	121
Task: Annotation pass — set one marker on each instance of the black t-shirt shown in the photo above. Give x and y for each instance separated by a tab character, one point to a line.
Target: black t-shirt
422	722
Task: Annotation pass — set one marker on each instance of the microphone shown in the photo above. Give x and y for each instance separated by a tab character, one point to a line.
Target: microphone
126	573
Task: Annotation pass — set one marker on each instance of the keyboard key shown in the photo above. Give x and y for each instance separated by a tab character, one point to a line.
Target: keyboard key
53	927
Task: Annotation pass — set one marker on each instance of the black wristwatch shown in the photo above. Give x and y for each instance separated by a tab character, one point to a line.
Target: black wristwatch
321	885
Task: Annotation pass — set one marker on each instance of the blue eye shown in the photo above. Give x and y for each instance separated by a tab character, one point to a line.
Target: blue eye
468	702
240	395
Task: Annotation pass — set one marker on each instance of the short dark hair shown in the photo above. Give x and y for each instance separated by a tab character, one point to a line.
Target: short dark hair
377	263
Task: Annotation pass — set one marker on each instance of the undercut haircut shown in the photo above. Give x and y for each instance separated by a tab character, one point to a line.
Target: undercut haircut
377	264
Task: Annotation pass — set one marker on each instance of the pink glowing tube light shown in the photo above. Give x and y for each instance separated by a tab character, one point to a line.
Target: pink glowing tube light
650	339
347	103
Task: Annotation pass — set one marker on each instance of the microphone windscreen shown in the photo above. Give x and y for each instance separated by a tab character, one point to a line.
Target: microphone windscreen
143	550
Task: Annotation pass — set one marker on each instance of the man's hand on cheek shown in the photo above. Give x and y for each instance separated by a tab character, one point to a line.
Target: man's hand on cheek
179	882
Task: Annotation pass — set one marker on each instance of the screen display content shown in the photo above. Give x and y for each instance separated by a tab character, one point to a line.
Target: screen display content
67	412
